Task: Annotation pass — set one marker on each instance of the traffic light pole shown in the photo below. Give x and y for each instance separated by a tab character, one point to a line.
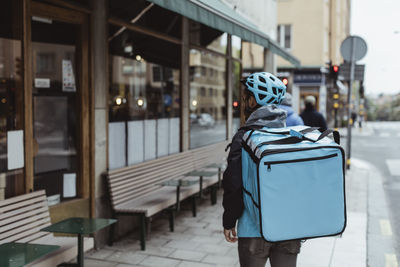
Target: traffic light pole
349	93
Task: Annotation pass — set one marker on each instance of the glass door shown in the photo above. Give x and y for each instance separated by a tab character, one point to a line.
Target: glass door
57	88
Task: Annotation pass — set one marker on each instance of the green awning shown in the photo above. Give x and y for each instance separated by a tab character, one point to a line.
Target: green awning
217	15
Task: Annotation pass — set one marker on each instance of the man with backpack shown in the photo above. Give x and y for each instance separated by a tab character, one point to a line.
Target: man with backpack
262	95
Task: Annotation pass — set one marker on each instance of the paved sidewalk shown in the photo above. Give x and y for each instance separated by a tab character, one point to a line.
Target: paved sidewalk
199	241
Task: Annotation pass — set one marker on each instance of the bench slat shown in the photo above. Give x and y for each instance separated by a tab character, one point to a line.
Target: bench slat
27	214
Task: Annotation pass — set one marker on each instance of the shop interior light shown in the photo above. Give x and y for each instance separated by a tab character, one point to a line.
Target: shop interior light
138	58
235	104
335	96
194	103
285	81
128	49
118	101
140	102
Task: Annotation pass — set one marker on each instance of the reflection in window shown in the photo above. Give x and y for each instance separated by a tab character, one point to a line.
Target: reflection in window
207	107
236	76
252	58
145	97
11	97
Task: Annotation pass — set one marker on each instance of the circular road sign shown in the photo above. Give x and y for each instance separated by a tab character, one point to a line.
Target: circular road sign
360	48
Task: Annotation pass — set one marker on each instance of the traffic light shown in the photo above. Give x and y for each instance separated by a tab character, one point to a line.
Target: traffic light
285	81
334	72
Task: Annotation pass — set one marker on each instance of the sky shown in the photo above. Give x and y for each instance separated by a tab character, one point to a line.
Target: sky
378	23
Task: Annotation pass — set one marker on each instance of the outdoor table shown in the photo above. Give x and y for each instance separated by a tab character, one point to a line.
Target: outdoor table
178	183
80	227
201	174
19	254
219	166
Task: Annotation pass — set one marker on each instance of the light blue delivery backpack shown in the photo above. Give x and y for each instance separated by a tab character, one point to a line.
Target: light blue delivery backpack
293	181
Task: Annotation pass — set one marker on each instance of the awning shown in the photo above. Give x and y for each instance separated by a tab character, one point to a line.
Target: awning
217	15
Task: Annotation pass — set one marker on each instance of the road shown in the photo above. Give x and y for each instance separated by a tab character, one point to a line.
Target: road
379	144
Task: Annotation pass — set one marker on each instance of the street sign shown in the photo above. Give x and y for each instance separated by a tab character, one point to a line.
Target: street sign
344	72
353	48
360	48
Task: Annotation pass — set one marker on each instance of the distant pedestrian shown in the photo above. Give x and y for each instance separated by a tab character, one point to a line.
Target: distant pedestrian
262	94
311	117
292	118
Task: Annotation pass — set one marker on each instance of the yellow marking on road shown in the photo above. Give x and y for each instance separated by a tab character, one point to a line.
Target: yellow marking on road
386	229
391	260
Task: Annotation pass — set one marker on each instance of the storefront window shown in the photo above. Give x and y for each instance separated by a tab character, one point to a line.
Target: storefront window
56	108
207	107
252	58
236	99
144	100
11	102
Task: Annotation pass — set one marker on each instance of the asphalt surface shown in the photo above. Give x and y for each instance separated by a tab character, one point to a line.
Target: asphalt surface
378	143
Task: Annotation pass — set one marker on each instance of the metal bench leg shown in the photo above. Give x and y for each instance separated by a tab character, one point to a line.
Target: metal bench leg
142	222
214	194
171	219
194	206
201	188
112	232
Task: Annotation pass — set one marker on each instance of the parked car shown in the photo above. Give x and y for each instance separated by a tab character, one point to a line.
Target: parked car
205	120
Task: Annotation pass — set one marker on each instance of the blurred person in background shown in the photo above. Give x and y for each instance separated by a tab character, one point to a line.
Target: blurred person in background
311	117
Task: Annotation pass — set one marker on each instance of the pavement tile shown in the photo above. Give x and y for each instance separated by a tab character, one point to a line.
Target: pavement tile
99	263
156	251
99	254
155	261
213	249
194	264
220	260
182	244
127	265
187	255
127	257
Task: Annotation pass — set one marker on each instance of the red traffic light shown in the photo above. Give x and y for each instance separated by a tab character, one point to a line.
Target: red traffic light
335	68
285	81
235	104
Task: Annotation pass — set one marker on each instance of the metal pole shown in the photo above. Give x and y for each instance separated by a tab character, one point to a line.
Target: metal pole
349	93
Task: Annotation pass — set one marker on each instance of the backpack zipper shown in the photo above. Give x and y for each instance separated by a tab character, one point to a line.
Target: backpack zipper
269	163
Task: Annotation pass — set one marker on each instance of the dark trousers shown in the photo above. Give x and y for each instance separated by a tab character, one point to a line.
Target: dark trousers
254	252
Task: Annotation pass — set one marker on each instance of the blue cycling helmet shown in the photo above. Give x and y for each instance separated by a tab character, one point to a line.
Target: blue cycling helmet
266	88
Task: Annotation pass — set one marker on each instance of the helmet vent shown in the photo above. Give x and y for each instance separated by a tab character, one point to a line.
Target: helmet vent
251	84
274	90
272	78
262	79
262	88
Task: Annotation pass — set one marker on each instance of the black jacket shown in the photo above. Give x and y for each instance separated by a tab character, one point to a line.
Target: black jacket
270	116
313	118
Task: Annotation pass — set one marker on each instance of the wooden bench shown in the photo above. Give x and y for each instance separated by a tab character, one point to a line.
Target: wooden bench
21	219
136	190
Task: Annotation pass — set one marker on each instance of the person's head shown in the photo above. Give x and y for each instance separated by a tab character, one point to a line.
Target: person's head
310	102
287	101
262	88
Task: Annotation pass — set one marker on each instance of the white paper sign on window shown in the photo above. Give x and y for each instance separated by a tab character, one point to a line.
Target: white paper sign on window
69	185
68	76
15	149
